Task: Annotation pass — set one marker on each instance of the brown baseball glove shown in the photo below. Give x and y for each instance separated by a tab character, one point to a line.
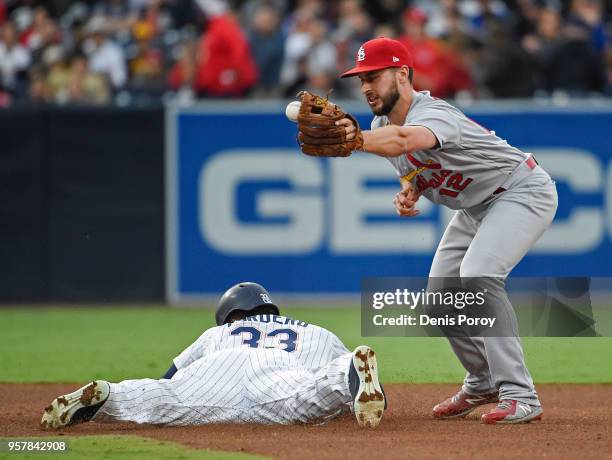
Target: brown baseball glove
318	134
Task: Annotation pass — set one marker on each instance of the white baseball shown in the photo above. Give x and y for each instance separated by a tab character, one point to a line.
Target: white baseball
292	110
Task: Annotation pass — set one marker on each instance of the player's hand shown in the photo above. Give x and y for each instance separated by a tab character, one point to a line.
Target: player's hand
349	127
405	202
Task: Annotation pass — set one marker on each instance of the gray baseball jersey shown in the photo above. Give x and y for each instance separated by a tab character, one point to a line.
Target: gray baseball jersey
470	163
264	369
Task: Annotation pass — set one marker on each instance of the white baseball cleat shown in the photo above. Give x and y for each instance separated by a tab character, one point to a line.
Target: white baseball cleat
369	400
77	407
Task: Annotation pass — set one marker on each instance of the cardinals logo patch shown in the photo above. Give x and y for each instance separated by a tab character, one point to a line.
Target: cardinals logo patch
361	54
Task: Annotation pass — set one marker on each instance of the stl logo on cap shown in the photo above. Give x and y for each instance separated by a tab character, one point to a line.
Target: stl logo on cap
361	54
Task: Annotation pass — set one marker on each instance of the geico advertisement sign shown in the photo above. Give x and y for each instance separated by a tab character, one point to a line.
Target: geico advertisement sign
329	205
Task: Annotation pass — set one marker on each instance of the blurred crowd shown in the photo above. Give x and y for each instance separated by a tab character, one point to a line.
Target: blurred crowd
146	51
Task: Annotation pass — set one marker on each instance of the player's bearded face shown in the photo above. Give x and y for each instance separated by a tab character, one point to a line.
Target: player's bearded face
383	102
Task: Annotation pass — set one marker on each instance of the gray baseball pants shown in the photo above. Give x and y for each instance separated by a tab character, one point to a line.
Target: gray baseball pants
488	241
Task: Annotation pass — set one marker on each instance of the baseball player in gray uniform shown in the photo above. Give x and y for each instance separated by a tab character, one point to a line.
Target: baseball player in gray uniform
256	366
504	203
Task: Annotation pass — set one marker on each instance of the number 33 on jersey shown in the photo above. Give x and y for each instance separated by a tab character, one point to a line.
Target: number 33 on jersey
311	345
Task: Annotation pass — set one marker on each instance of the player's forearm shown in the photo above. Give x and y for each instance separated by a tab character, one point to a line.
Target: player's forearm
387	141
393	141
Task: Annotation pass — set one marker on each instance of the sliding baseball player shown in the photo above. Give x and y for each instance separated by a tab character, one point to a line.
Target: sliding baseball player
256	366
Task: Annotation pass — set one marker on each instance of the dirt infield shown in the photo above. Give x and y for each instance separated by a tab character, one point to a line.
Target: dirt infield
577	424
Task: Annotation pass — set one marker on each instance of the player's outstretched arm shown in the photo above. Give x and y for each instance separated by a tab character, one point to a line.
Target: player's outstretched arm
393	141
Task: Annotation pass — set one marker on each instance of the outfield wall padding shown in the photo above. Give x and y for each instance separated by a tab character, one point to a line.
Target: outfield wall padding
82	205
22	206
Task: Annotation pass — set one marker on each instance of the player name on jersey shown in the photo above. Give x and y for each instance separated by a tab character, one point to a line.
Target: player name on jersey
283	320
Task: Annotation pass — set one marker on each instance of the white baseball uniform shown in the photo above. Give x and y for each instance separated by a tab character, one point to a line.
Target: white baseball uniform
505	202
263	369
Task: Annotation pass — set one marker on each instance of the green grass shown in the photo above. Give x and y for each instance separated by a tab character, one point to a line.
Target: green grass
126	447
75	345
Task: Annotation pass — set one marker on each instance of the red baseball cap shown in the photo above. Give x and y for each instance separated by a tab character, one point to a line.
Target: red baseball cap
380	53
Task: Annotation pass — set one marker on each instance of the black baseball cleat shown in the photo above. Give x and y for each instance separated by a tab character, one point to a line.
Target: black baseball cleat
77	407
369	401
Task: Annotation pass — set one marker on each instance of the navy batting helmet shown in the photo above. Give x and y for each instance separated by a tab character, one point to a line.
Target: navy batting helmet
244	297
